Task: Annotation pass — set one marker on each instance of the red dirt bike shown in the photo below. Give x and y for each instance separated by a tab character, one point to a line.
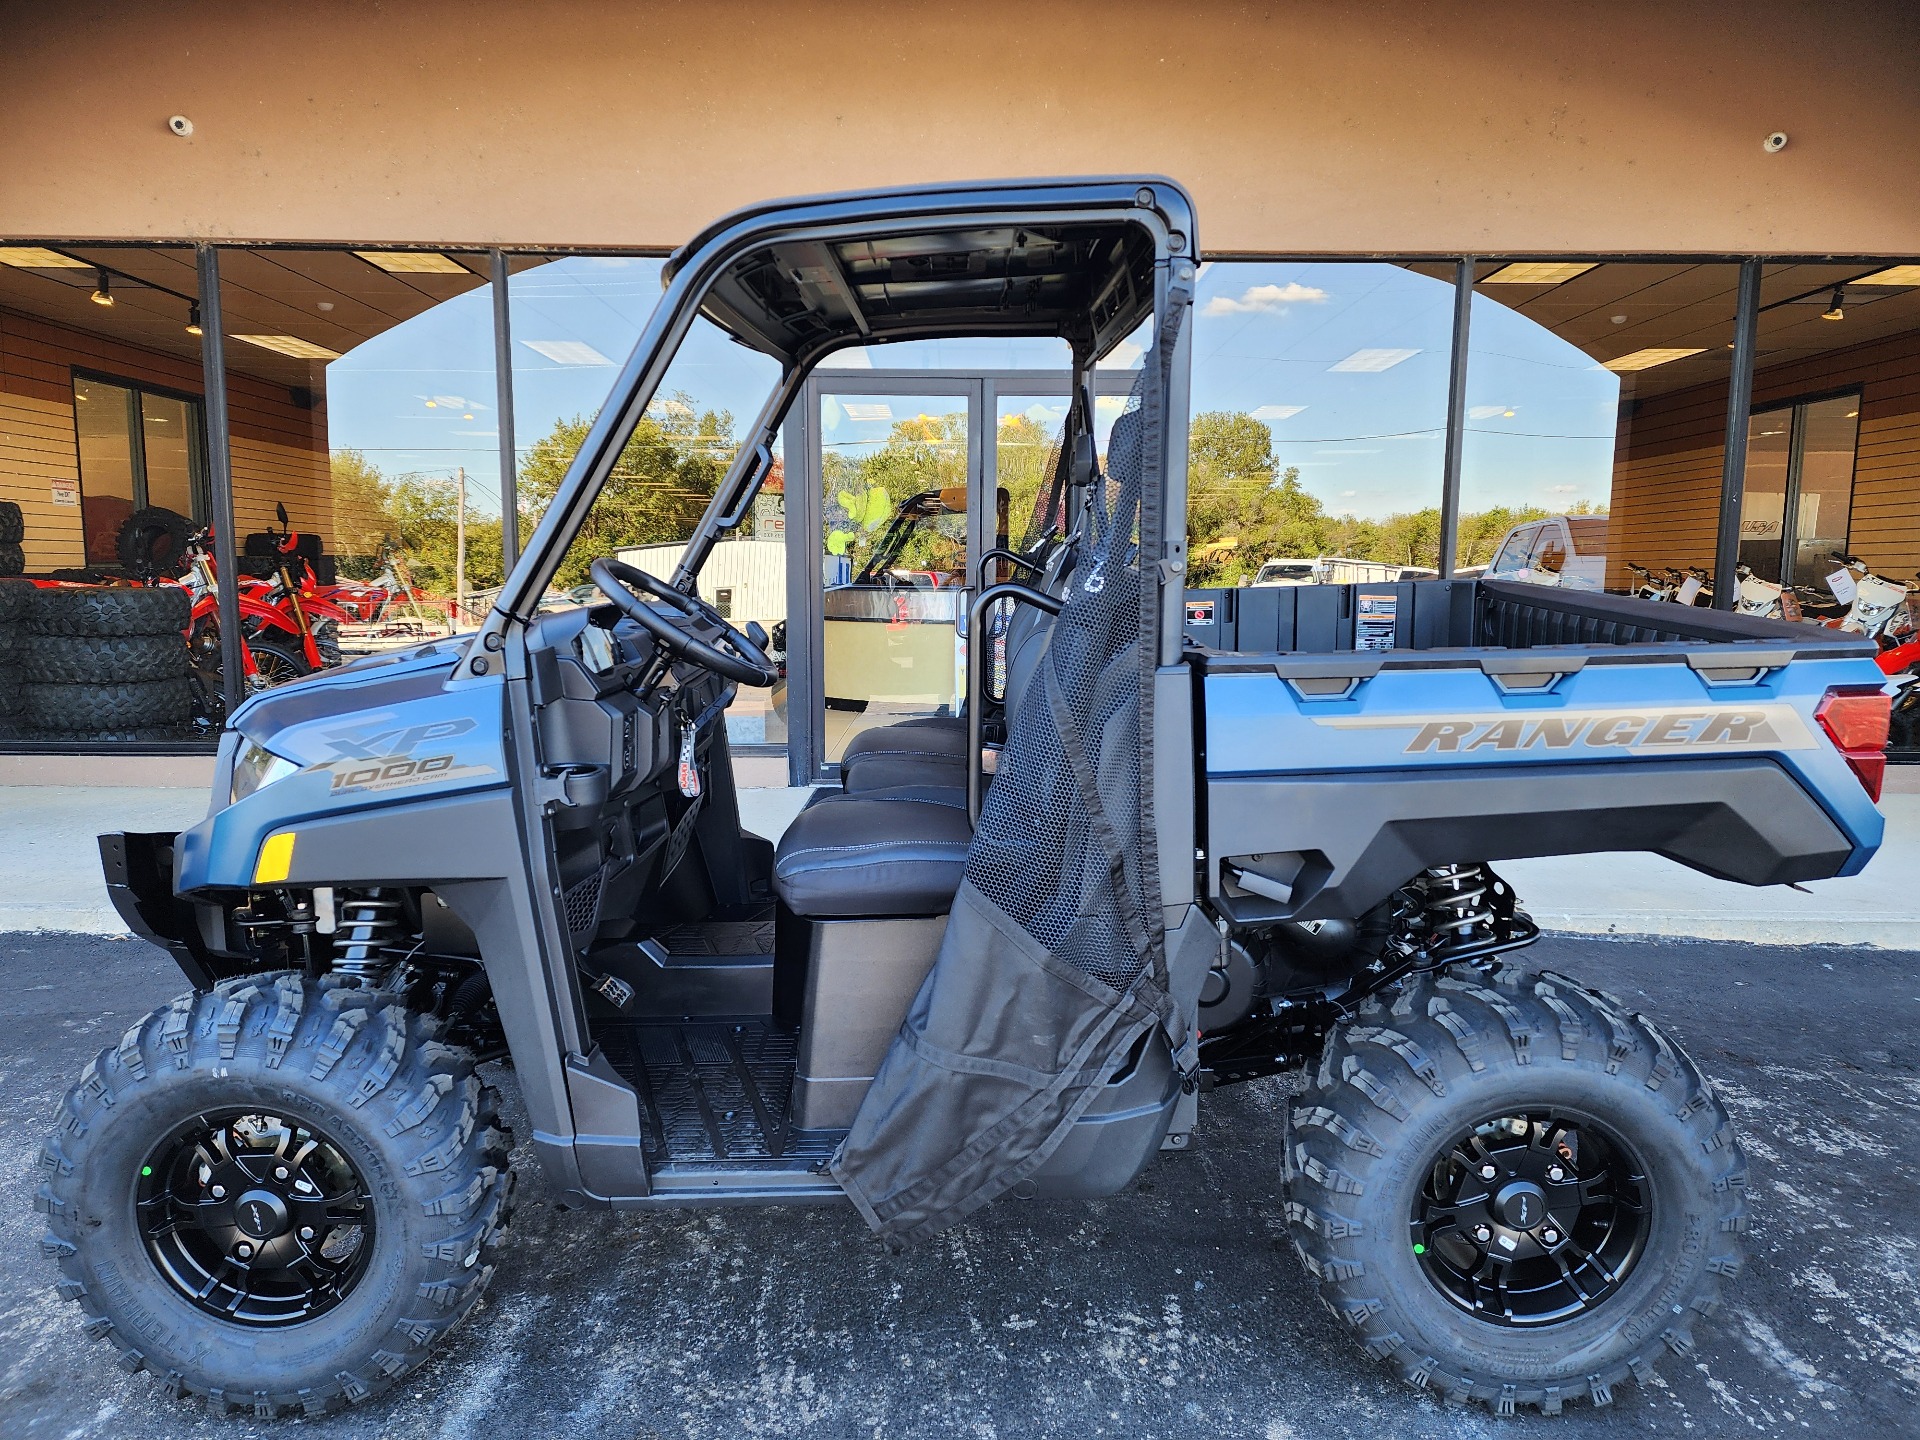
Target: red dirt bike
1901	664
287	629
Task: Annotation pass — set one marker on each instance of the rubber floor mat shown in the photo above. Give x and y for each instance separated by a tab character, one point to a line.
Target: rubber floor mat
712	1092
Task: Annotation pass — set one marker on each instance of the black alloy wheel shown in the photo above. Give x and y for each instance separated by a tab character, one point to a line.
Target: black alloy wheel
1531	1218
255	1218
1513	1188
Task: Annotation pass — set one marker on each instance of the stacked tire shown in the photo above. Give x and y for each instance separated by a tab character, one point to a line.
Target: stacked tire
13	530
15	596
105	664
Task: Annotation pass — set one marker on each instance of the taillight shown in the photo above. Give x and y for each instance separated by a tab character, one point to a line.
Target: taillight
1856	720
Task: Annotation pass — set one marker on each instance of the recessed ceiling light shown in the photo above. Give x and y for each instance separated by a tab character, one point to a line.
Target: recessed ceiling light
413	262
567	352
1538	272
1277	412
291	345
867	410
32	257
1373	360
1892	275
1655	355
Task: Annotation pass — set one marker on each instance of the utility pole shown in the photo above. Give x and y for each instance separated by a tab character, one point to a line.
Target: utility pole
460	554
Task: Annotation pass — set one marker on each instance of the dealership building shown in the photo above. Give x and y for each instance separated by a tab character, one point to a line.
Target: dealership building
377	267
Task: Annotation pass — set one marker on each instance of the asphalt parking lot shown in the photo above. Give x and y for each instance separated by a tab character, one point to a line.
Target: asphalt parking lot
1175	1308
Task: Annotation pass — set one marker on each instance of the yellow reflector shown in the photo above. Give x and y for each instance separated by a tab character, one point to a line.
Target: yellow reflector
276	859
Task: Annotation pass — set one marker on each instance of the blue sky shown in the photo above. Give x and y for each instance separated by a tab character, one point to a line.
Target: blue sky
1345	362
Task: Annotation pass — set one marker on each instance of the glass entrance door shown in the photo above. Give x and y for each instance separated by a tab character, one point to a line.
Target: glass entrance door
897	476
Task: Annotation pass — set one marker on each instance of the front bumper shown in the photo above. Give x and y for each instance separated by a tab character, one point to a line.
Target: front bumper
138	867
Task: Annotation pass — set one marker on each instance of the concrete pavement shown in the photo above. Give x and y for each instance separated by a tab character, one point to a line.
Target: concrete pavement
1173	1308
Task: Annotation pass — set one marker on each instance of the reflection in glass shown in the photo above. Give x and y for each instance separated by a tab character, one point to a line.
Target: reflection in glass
1763	507
169	444
1027	430
104	424
894	472
1319	415
1823	498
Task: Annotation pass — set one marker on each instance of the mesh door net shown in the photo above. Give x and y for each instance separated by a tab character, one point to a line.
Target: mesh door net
1053	963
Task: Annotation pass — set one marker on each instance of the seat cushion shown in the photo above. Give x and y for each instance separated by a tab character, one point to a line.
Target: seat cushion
890	756
856	855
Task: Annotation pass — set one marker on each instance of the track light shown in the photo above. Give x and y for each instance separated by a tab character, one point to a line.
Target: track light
193	317
103	292
1835	310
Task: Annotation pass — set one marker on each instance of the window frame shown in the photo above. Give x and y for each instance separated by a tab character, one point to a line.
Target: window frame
197	468
1796	411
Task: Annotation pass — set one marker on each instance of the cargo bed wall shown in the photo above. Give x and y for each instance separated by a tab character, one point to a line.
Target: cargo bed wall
1465	614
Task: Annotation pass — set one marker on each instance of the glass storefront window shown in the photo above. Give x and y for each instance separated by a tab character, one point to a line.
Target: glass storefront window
362	399
1319	416
1595	401
138	449
1796	512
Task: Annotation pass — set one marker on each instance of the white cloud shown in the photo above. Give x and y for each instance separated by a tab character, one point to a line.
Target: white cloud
1266	299
1122	356
1277	412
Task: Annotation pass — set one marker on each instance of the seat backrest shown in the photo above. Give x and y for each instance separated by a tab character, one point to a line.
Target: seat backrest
1028	629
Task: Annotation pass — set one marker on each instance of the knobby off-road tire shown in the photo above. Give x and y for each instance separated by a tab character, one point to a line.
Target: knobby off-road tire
132	705
1402	1080
111	610
13	527
408	1113
13	560
102	659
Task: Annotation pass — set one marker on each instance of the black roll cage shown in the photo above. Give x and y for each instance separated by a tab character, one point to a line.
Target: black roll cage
706	277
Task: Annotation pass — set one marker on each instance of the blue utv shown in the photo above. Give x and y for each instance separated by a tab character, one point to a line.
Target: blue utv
1172	840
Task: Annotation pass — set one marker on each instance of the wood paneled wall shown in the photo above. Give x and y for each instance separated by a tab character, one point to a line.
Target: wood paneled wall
279	447
1666	473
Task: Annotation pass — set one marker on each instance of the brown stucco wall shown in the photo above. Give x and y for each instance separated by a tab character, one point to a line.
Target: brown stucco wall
279	449
1318	125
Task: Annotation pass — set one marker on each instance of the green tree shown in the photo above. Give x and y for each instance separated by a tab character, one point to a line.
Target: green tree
667	472
1241	508
414	515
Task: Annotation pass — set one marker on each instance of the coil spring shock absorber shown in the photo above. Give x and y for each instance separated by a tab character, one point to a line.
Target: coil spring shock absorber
369	922
1458	913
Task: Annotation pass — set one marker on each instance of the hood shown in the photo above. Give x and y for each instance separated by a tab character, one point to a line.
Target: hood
376	683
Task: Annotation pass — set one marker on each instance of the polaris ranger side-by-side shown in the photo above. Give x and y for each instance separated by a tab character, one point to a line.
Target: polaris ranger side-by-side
1172	840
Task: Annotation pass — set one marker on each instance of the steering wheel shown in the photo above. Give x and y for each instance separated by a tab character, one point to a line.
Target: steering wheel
627	586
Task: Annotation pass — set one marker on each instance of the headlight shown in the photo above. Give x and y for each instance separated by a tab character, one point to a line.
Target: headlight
253	768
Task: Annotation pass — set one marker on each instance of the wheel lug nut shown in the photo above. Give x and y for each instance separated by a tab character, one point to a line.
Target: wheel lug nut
1556	1174
280	1173
1487	1172
219	1192
306	1232
1550	1235
243	1250
1483	1233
